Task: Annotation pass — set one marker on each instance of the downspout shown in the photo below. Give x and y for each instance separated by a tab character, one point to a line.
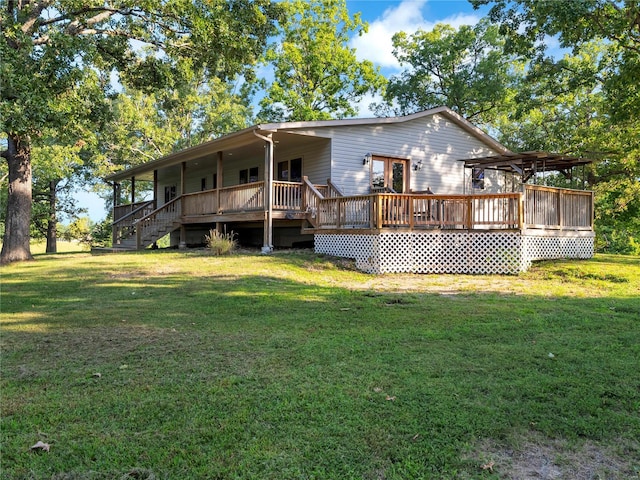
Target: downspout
267	246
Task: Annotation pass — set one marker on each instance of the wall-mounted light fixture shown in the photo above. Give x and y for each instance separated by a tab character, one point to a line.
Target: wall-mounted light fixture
417	165
367	159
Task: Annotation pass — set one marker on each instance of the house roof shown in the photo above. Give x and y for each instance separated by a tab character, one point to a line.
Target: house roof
247	136
527	164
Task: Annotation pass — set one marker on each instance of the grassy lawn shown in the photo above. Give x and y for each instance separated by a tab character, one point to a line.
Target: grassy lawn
182	365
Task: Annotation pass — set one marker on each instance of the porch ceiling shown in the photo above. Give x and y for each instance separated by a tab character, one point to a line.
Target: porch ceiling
233	147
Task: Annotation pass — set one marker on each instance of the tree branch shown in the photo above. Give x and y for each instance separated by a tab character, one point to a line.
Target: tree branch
27	27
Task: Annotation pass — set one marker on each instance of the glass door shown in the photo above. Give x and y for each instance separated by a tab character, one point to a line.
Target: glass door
389	175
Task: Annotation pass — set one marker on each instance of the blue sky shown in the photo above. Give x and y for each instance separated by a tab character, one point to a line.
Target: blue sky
385	18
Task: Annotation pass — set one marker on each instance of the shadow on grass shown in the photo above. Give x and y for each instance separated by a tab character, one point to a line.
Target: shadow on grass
208	374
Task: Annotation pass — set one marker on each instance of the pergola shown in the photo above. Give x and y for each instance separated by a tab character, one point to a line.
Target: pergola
527	164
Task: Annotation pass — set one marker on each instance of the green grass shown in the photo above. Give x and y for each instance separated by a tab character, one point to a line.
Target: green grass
296	366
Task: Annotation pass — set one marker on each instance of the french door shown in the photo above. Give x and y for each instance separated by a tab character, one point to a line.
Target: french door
389	175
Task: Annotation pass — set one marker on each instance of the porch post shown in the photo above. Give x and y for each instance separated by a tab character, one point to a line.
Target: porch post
218	186
155	189
267	246
183	232
116	197
267	240
183	179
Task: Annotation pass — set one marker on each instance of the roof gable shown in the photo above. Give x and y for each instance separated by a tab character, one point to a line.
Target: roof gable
247	135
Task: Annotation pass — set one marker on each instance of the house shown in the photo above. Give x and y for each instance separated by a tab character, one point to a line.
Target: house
427	192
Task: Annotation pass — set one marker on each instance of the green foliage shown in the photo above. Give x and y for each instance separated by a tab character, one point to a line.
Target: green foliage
58	57
317	76
528	26
464	69
80	229
101	233
221	243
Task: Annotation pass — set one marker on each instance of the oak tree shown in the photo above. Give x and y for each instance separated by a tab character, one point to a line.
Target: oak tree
49	48
316	74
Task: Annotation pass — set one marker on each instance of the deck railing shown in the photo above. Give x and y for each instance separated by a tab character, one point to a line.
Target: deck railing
287	195
537	207
126	216
121	211
375	211
160	220
557	208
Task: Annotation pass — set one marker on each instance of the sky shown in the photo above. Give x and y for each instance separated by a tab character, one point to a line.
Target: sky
385	18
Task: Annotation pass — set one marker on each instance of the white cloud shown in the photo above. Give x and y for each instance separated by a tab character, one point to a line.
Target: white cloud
376	45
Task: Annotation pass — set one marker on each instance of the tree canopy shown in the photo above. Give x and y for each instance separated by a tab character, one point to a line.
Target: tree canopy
464	69
59	57
316	73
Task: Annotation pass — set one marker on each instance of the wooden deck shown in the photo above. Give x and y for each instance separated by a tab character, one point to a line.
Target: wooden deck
326	211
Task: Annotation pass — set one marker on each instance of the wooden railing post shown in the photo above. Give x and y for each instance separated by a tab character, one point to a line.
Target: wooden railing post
379	212
372	212
469	222
521	198
560	206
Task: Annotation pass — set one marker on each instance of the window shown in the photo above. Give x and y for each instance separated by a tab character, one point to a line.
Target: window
203	184
389	175
169	193
253	174
290	170
249	175
477	177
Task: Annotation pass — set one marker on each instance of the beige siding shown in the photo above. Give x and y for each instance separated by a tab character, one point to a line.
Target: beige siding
315	154
435	140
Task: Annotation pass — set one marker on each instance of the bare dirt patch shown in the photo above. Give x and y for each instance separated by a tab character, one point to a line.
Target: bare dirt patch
535	457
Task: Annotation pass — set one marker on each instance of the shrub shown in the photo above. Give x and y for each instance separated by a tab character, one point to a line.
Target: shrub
220	243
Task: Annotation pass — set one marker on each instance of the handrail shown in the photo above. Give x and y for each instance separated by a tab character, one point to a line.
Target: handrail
311	197
124	226
132	213
160	218
334	191
128	209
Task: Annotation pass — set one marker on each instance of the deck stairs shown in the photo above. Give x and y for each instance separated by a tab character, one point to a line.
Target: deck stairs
151	227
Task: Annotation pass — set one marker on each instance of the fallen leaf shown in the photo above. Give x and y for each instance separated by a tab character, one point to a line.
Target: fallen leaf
123	367
97	375
415	437
345	309
551	355
488	466
377	389
390	398
40	446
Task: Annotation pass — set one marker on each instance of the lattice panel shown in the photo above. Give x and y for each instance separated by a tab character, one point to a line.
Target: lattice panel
474	253
396	252
545	248
363	248
450	252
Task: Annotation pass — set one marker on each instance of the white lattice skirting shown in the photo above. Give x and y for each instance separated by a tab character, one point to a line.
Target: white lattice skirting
451	252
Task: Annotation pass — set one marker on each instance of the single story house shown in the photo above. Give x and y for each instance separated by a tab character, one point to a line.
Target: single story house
424	193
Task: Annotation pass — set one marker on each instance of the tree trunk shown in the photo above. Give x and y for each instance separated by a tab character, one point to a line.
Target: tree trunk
52	224
15	246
